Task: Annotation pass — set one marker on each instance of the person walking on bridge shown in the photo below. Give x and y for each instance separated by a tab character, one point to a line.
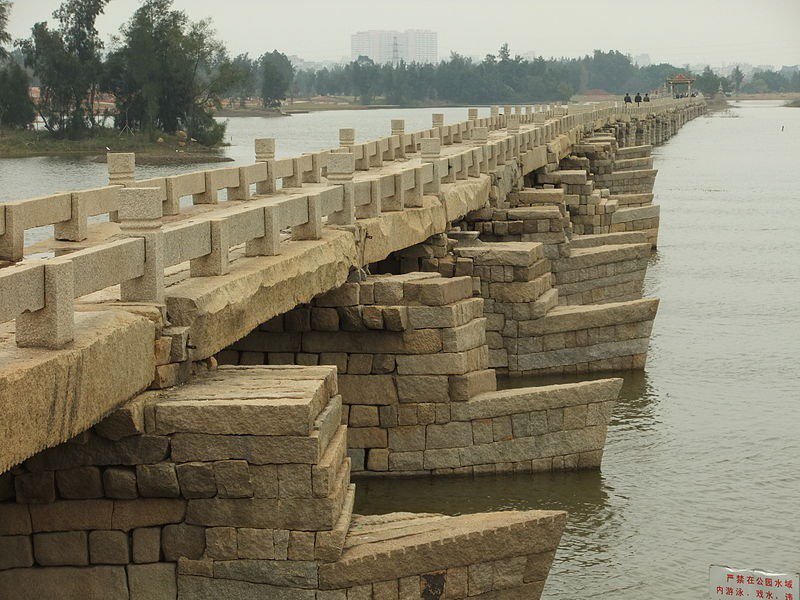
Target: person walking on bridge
627	98
638	98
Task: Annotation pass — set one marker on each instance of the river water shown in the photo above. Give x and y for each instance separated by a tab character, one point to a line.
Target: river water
703	453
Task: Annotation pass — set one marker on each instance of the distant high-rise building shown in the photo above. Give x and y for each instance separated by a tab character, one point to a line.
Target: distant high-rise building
413	45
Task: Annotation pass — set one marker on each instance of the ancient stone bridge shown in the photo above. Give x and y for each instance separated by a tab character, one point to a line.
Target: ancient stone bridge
298	320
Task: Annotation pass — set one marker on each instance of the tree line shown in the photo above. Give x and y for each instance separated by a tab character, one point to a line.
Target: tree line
168	73
503	78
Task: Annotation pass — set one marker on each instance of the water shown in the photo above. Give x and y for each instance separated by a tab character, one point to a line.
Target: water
703	452
22	178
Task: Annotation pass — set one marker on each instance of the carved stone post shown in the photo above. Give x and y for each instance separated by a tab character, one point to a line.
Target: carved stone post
140	216
121	171
340	172
52	326
265	153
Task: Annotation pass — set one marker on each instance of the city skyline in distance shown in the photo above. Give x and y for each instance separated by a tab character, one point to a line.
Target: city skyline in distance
714	32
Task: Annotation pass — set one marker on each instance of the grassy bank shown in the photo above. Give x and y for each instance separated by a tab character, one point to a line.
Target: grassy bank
794	103
21	144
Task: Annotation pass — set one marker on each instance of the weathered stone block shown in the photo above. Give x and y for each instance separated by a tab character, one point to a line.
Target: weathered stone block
233	479
368	389
80	482
196	480
422	388
72	515
152	582
407	438
120	484
256	544
108	548
35	488
146	545
465	337
157	481
449	435
439	291
146	512
469	385
364	416
221	543
15	552
68	548
65	583
184	540
15	519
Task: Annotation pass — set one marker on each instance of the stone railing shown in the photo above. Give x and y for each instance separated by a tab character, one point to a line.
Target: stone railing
307	192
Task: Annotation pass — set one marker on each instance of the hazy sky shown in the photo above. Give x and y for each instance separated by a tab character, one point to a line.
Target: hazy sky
677	31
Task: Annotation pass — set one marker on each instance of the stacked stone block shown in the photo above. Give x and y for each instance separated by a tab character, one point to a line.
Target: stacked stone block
540	222
237	485
603	273
241	474
583	339
590	209
413	359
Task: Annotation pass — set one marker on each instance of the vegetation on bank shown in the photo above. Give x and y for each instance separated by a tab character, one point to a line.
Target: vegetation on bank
167	149
794	103
166	73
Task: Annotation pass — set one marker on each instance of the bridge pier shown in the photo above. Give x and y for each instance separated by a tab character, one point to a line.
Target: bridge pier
238	485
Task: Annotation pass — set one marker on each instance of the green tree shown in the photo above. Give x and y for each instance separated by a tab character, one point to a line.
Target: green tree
277	74
708	82
737	78
244	74
68	64
16	107
168	73
5	37
365	76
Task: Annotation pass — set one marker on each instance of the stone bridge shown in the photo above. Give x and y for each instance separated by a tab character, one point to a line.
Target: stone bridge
187	386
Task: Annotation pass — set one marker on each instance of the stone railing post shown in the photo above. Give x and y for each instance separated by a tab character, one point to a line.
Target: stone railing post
437	122
265	153
472	114
121	171
140	216
341	167
431	151
269	245
399	129
53	326
218	261
347	138
495	117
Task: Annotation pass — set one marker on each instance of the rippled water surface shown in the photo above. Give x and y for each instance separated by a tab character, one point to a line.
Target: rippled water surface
703	455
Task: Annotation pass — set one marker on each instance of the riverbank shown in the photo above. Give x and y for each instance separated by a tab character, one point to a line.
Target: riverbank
25	144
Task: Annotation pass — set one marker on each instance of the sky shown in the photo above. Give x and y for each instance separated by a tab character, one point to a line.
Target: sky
717	32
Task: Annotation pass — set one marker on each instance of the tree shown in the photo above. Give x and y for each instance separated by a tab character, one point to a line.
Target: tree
245	71
16	107
365	78
5	37
737	78
68	63
708	82
277	74
167	73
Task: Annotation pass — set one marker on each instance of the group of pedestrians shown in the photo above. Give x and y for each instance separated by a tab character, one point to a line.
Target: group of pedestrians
638	98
